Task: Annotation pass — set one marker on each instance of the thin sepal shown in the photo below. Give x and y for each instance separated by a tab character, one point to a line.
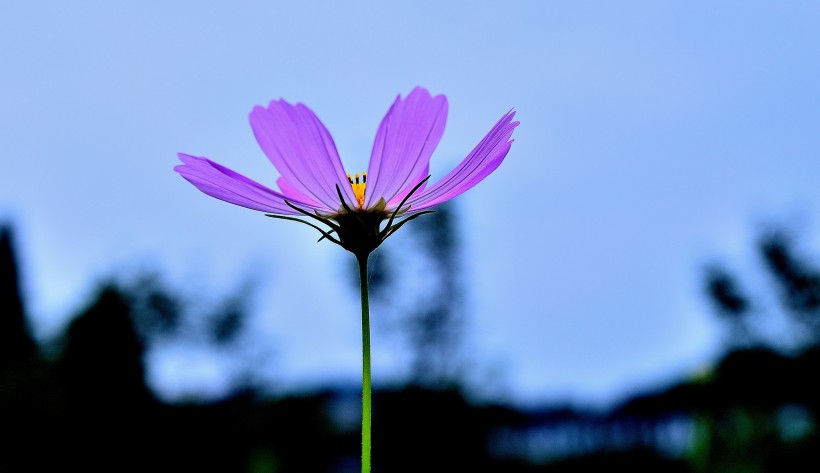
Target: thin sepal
342	199
383	234
315	217
391	230
323	237
293	219
347	207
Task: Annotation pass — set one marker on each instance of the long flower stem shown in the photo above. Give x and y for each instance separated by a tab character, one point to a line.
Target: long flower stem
366	388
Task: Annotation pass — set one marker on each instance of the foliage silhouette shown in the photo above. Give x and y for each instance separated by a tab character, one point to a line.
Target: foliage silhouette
761	405
17	346
795	281
89	407
432	323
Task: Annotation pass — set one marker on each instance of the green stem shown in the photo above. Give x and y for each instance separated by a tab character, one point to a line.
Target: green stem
366	388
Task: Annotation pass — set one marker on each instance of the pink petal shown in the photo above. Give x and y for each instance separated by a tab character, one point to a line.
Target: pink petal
302	150
405	140
401	195
289	191
227	185
481	161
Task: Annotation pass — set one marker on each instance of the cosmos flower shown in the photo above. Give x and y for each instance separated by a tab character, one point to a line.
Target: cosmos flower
314	184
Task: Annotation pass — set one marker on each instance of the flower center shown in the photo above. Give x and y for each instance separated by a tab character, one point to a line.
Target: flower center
358	187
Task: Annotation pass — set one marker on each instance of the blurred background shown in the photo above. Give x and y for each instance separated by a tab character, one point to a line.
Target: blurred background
638	284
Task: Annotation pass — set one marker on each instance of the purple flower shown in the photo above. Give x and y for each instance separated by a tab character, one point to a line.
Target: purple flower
313	182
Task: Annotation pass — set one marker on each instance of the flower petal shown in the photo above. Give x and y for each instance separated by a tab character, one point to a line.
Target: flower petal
302	150
481	161
405	140
289	191
401	195
227	185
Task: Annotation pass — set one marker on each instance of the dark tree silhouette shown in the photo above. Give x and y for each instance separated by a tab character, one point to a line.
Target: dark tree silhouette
732	305
156	311
760	410
432	319
797	281
101	385
16	344
21	369
436	324
90	409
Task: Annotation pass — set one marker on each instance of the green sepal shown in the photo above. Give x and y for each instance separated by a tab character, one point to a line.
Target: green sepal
391	230
293	219
324	236
383	234
380	205
315	217
347	207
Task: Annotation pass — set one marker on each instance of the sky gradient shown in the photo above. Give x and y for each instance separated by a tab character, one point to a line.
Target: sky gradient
655	137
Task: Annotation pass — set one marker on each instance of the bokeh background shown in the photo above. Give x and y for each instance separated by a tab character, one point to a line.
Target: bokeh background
657	212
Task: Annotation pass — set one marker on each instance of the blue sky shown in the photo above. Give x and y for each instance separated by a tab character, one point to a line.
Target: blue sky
654	137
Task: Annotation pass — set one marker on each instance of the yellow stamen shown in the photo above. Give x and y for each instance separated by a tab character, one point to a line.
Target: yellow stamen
358	187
